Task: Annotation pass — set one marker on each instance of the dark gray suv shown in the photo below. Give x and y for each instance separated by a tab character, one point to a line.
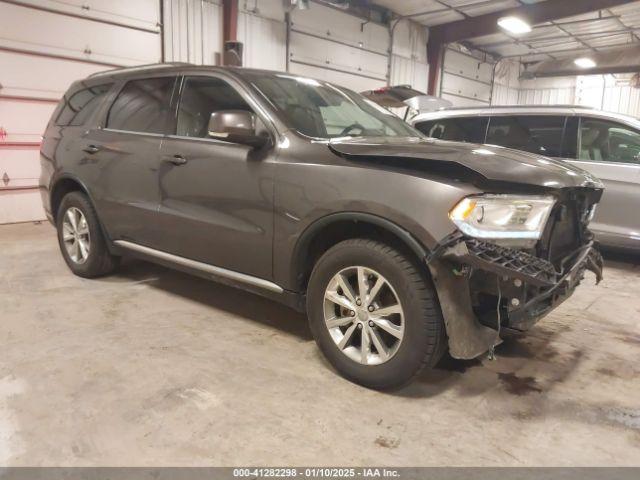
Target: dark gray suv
397	246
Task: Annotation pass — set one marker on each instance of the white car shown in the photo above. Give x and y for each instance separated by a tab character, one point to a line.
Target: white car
605	144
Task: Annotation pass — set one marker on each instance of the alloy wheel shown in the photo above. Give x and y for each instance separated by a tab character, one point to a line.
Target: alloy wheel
75	235
363	315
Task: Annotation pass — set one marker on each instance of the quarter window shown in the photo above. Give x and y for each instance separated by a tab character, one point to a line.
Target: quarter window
601	140
541	134
79	106
471	129
202	96
142	106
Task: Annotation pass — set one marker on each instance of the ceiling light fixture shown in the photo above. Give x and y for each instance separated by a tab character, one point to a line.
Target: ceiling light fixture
584	62
514	25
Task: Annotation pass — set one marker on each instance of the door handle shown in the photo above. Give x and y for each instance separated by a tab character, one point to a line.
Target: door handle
91	149
175	159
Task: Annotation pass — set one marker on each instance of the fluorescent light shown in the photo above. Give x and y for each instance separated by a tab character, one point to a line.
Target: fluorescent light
584	62
514	25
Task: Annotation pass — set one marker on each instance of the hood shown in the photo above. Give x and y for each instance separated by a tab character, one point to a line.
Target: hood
491	163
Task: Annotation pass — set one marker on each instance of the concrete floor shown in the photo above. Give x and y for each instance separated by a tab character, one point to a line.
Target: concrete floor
153	367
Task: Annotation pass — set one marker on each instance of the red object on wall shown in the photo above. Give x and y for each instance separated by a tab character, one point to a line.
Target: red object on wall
3	134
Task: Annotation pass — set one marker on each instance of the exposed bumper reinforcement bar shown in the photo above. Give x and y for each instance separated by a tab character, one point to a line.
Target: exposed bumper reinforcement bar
503	261
587	258
468	338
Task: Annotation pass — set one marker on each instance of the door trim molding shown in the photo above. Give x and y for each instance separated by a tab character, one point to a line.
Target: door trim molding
203	267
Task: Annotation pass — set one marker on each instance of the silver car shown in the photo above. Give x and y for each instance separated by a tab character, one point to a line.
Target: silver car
605	144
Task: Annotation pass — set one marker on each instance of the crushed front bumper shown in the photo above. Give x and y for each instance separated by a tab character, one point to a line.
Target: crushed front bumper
496	288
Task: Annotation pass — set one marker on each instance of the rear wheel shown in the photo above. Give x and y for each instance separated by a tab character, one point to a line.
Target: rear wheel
374	314
80	237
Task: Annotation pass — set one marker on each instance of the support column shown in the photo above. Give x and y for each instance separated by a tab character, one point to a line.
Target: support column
229	20
435	55
231	48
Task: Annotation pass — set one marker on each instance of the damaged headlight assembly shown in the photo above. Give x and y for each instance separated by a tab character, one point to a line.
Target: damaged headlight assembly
498	276
513	220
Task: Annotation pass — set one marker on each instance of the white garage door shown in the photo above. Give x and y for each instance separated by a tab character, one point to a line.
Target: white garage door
337	47
44	46
466	80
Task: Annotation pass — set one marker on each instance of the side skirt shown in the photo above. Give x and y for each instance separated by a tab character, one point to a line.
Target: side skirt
250	283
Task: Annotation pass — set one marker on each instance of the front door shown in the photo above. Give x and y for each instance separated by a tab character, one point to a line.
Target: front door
611	151
216	197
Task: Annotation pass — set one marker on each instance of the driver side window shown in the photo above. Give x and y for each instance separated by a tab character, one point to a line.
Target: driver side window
605	141
201	96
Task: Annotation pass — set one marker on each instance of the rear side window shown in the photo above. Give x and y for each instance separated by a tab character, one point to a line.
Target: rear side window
142	106
470	129
81	104
541	134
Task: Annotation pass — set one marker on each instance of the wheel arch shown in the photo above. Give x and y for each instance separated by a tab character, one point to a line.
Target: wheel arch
325	232
67	184
63	185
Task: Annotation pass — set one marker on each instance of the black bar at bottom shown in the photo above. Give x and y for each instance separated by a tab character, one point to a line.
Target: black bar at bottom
409	473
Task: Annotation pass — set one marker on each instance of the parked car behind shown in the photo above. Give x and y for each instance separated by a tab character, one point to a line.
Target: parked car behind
396	246
605	144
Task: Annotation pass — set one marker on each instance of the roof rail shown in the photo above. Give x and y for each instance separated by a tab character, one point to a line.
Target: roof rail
139	67
524	107
549	105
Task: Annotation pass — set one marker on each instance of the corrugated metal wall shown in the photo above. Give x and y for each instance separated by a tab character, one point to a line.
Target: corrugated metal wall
192	31
547	91
623	99
409	56
44	46
604	92
506	83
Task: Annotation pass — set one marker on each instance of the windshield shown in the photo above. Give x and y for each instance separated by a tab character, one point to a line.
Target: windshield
322	110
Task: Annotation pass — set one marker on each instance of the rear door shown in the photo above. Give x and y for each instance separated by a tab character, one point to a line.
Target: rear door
611	151
67	134
127	151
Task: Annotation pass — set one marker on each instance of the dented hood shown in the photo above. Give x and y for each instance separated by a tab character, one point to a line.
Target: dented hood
490	162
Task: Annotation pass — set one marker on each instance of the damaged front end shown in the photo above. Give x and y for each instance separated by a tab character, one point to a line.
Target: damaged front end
486	288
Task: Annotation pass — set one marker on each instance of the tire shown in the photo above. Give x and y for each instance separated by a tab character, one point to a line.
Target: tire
95	260
420	323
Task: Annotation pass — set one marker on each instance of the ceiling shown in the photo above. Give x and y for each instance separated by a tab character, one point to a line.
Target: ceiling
571	36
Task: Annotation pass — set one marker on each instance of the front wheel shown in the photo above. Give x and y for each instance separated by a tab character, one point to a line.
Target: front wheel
80	237
374	314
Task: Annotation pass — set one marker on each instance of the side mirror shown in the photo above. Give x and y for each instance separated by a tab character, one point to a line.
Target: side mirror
236	126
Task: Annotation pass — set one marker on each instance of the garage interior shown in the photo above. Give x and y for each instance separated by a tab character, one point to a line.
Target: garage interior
153	367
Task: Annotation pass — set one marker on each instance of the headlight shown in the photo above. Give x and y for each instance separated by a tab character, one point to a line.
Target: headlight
502	216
